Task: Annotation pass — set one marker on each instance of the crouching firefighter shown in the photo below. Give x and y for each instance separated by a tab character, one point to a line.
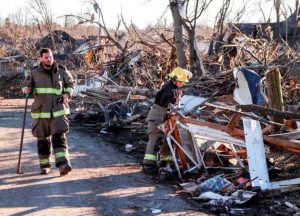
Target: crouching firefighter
168	94
52	86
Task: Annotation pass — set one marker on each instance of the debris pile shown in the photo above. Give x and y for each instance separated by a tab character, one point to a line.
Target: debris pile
236	135
228	149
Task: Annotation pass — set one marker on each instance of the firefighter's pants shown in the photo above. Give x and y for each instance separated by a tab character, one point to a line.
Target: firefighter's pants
60	148
155	118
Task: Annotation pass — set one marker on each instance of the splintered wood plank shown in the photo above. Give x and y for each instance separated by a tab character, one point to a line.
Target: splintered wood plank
234	120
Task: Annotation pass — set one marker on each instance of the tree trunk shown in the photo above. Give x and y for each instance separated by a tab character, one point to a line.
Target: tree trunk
194	59
99	30
296	21
286	32
277	4
178	33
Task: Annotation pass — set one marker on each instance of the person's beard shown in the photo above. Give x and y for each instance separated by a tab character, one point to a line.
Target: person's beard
47	66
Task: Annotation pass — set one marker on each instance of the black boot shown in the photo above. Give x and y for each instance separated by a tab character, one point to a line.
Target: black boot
150	169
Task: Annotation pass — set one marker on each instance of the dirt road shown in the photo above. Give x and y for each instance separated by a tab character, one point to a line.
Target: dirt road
104	181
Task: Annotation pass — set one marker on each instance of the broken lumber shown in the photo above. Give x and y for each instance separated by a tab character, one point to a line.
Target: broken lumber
234	120
125	90
268	111
288	145
244	114
291	136
98	96
274	88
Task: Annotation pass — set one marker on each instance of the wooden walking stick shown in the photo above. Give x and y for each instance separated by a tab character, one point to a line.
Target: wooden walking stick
22	136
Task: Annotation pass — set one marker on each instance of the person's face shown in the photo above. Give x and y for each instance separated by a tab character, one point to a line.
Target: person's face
179	84
47	59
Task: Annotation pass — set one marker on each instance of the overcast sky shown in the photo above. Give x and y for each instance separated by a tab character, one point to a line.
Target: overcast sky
144	12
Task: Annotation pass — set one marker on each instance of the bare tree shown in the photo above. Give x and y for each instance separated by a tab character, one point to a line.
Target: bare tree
266	19
240	13
89	17
18	24
43	15
69	22
221	16
189	23
175	6
20	17
277	6
296	20
285	12
185	14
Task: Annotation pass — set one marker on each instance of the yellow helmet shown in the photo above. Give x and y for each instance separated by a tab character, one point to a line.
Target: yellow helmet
181	74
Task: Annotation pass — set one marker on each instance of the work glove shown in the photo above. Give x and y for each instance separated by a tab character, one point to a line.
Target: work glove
178	97
26	91
66	98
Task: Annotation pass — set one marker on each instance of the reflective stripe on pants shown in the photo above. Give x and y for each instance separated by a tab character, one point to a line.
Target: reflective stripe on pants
45	115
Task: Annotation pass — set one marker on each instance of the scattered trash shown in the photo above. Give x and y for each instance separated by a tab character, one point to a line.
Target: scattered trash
189	187
167	172
242	196
215	184
221	202
297	214
240	211
129	147
211	196
156	211
290	205
242	180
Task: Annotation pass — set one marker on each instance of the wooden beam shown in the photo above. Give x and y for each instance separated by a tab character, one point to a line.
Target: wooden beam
182	157
275	94
285	183
234	120
268	111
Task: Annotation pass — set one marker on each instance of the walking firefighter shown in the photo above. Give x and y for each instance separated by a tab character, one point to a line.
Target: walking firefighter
52	87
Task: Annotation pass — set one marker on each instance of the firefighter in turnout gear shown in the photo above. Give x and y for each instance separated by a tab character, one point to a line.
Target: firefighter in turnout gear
52	86
168	94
